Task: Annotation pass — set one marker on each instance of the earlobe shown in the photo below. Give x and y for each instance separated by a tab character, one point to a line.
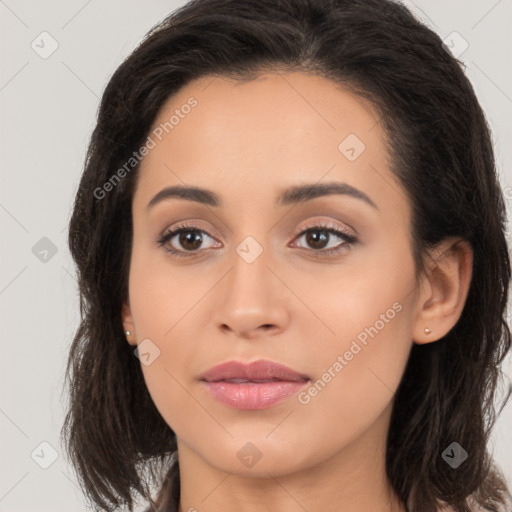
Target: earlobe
444	290
128	325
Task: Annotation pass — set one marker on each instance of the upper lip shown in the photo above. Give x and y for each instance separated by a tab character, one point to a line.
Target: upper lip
261	370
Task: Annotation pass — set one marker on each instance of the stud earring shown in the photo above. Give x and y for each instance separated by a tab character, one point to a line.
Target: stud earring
127	333
427	330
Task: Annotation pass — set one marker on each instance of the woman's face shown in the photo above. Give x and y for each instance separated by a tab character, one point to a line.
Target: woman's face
247	283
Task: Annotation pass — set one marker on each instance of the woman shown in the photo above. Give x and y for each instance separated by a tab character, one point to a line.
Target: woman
289	236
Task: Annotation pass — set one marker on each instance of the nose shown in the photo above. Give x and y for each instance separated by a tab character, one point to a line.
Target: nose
252	300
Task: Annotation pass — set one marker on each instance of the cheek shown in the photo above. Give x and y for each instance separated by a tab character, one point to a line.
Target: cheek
369	303
360	359
163	303
161	293
357	373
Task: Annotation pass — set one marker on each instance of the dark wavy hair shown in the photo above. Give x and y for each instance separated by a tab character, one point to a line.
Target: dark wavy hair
441	152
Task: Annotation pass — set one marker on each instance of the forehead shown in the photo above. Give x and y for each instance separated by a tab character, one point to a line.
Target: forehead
273	131
285	104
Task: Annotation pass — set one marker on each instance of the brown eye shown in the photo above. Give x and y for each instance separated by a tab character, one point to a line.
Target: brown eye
184	239
318	239
190	240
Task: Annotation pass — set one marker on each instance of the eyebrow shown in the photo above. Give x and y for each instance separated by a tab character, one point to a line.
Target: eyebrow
292	195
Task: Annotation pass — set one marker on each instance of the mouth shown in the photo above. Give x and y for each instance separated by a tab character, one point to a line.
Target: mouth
253	386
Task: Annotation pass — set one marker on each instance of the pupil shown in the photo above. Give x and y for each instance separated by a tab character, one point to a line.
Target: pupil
317	241
190	237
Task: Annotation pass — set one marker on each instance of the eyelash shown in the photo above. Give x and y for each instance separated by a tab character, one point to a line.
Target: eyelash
349	240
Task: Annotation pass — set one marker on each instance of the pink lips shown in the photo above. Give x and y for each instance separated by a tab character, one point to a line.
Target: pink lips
257	385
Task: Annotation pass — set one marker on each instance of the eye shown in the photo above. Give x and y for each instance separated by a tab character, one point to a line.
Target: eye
190	239
320	236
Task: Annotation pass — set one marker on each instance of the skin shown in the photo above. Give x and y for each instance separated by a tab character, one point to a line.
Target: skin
247	142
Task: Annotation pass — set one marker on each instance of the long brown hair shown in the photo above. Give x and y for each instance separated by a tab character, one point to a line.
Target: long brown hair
441	152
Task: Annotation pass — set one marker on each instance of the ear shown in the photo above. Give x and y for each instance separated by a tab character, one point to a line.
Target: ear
443	290
128	324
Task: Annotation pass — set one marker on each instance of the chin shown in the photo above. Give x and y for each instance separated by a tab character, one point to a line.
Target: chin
258	458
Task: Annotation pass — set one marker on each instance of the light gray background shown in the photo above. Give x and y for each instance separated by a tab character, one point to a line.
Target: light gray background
48	109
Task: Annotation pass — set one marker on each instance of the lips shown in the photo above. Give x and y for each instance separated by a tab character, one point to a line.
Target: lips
257	372
253	386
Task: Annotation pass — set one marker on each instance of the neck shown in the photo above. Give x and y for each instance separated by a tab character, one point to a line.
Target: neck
353	479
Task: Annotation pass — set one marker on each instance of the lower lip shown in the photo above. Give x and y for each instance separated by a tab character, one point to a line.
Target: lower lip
253	395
